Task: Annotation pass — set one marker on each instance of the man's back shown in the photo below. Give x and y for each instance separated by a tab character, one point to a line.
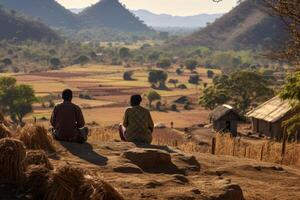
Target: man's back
67	118
139	124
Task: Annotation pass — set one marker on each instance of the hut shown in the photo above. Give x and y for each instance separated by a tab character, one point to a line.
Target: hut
225	119
268	117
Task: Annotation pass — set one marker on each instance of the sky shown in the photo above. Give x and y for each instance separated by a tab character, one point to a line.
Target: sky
173	7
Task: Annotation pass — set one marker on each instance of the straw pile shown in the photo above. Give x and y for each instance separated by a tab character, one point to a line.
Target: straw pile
12	155
72	183
37	157
36	137
37	180
4	132
3	120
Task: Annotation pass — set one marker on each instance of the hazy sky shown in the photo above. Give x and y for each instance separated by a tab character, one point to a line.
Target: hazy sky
175	7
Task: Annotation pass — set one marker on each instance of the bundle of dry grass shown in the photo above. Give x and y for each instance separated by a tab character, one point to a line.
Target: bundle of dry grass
12	155
36	137
72	183
37	180
3	120
4	132
37	157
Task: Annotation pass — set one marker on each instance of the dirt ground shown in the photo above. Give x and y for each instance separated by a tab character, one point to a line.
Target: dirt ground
258	180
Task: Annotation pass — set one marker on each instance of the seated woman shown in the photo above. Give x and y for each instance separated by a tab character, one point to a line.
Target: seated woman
138	124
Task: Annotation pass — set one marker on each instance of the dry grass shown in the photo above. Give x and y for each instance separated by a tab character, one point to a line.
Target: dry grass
37	157
72	183
12	155
36	137
4	131
267	151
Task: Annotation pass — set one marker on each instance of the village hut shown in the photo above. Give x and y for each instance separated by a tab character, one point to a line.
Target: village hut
267	118
225	119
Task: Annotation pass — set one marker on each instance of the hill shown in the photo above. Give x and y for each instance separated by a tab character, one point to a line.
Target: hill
111	14
19	28
48	11
248	26
165	20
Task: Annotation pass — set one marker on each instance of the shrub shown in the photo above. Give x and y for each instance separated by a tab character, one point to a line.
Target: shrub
165	63
174	107
85	95
210	73
127	76
182	86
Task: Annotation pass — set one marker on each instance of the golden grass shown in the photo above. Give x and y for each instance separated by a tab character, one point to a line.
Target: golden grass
37	157
36	138
12	155
267	151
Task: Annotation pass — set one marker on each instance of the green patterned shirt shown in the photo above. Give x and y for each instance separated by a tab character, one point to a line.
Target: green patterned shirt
139	125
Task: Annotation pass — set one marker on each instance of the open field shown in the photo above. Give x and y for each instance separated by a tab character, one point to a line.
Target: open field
110	93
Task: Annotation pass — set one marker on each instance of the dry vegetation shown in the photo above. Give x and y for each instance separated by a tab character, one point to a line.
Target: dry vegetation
266	150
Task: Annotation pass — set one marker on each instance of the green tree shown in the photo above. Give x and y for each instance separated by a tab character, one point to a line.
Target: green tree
158	78
191	64
127	76
55	63
164	63
124	53
16	100
194	79
213	97
174	81
179	71
152	95
82	60
154	56
291	92
7	61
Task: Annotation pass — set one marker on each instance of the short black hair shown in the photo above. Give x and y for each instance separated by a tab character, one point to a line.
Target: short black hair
135	100
67	95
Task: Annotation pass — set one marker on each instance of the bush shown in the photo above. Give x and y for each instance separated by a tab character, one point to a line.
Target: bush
82	60
194	79
179	71
158	105
187	105
165	63
85	95
55	63
191	64
182	86
210	74
174	107
127	76
7	61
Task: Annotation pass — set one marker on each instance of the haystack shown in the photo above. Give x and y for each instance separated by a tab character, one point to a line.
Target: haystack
12	155
36	137
37	157
37	180
74	183
4	132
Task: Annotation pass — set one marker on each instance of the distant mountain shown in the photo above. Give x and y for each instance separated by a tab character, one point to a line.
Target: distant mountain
19	29
165	20
247	26
48	11
111	14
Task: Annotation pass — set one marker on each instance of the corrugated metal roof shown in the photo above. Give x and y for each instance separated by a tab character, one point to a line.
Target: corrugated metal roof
272	110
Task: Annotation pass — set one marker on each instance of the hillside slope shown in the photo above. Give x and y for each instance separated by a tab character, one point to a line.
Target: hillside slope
247	26
48	11
165	20
111	14
19	29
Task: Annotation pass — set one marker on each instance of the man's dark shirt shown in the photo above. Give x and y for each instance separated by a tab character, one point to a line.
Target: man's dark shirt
66	119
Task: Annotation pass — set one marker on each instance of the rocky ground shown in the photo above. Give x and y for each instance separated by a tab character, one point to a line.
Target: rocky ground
160	172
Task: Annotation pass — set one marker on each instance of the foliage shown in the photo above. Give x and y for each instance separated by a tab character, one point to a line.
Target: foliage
179	71
182	86
55	63
164	63
194	79
16	100
191	64
152	95
242	88
124	53
82	60
127	76
85	95
174	81
7	61
210	73
158	78
291	91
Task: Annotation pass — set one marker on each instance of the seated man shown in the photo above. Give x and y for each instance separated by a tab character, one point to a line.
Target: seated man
138	124
67	120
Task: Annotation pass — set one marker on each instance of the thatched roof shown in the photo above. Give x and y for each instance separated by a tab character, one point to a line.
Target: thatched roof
272	110
221	111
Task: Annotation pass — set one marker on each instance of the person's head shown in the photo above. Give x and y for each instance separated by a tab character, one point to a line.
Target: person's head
135	100
67	95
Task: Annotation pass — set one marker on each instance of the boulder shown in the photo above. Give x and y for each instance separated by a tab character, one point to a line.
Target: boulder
151	160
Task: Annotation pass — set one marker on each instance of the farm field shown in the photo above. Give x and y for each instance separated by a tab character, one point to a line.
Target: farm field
110	94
